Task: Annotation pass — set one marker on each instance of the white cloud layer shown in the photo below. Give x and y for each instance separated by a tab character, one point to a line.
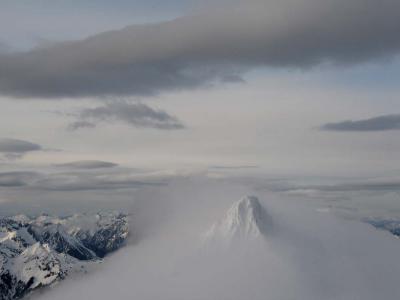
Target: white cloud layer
308	254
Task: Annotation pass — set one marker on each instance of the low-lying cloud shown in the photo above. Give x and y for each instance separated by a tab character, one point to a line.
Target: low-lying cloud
306	254
88	164
216	45
334	186
14	149
91	182
133	114
17	178
381	123
87	177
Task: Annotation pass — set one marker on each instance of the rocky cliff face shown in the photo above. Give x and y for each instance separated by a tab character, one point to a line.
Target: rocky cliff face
37	252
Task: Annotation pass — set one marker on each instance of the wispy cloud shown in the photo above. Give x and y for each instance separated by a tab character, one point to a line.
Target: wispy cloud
80	124
381	123
17	178
239	167
14	149
133	114
85	177
368	185
88	164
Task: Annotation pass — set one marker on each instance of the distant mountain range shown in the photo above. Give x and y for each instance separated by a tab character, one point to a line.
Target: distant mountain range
40	251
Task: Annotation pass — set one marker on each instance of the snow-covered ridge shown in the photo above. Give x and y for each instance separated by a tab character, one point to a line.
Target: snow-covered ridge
390	225
246	219
36	252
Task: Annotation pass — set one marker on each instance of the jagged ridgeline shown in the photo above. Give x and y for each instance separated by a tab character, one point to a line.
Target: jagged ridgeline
37	252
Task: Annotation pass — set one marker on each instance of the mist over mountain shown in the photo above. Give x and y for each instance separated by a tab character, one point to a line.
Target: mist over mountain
316	253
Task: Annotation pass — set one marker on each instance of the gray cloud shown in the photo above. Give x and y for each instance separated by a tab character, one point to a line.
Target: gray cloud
195	50
4	48
80	124
97	178
88	164
355	186
14	149
133	114
16	179
234	167
381	123
68	182
372	186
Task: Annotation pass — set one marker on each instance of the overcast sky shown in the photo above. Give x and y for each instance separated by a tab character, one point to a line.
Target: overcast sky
290	86
171	110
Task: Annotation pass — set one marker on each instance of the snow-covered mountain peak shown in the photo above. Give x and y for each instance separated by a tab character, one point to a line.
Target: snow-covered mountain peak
37	252
246	219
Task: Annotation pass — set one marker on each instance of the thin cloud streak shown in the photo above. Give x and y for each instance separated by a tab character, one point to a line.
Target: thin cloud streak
83	179
381	123
88	164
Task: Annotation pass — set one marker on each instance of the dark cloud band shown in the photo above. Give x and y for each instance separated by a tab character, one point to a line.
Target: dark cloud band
192	51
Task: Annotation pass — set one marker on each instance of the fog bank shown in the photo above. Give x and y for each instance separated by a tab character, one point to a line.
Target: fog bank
307	254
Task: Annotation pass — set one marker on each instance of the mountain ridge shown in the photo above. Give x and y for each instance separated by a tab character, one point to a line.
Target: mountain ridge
40	251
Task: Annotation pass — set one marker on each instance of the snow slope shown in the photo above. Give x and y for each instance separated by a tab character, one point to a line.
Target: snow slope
37	252
246	219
